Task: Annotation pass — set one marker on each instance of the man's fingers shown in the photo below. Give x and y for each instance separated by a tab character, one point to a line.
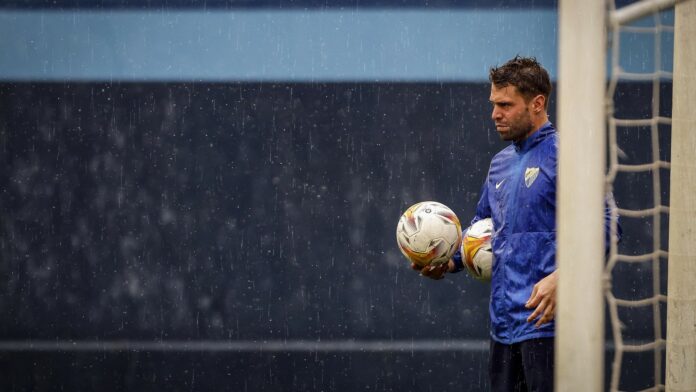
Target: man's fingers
537	312
547	315
542	320
427	270
434	272
534	299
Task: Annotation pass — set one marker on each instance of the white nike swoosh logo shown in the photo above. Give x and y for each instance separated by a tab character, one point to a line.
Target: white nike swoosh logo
498	184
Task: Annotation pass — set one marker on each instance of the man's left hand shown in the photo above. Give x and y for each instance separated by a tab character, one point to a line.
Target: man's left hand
543	298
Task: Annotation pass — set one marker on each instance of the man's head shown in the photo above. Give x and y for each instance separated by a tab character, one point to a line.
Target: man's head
520	92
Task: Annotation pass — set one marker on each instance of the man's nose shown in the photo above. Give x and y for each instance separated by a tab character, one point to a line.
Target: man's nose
495	114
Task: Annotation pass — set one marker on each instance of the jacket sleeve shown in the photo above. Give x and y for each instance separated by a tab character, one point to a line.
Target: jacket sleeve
483	208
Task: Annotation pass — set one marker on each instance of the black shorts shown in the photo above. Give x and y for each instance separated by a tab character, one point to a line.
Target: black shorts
521	367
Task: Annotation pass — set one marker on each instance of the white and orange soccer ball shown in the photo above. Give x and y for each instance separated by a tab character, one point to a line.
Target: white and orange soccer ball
429	233
477	252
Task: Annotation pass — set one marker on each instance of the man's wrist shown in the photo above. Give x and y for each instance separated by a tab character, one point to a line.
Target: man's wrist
456	263
451	268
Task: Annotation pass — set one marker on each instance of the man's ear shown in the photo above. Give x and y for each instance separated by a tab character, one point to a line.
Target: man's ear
538	103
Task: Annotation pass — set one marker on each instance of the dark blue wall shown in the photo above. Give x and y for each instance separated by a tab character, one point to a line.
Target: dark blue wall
235	212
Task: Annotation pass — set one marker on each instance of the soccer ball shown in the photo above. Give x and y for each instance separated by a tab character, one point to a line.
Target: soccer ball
476	249
428	233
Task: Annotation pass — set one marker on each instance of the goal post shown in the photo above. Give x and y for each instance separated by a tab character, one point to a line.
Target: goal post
580	235
681	276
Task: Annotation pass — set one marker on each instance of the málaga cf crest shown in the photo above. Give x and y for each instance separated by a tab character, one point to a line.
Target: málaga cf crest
530	175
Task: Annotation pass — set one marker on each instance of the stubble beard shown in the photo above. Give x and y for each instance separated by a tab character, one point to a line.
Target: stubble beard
518	129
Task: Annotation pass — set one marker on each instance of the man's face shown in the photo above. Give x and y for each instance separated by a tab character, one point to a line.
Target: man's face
510	113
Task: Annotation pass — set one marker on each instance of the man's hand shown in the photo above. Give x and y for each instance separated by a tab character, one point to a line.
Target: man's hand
434	272
543	298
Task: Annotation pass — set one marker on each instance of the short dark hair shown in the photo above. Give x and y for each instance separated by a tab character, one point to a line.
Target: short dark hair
525	73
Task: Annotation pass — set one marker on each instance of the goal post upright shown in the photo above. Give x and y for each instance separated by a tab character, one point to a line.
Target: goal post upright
681	296
579	360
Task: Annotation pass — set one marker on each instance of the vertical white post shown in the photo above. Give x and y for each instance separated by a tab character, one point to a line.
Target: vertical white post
581	178
681	295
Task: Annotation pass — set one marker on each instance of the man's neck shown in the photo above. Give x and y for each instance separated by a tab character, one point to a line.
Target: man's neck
537	123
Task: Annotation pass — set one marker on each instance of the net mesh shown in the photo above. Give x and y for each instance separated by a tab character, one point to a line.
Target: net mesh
635	274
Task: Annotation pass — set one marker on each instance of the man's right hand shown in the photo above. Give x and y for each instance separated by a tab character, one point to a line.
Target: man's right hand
434	272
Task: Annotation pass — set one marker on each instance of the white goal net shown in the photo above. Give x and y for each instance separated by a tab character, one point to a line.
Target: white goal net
638	167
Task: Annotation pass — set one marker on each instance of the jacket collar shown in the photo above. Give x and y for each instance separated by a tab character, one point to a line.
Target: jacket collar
541	134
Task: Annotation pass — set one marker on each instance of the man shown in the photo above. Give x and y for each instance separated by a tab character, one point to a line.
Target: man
520	196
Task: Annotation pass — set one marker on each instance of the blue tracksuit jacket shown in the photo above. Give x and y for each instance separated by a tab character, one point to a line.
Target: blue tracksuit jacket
520	196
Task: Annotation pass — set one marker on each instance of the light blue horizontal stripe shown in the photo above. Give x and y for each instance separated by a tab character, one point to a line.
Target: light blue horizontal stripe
270	45
259	346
